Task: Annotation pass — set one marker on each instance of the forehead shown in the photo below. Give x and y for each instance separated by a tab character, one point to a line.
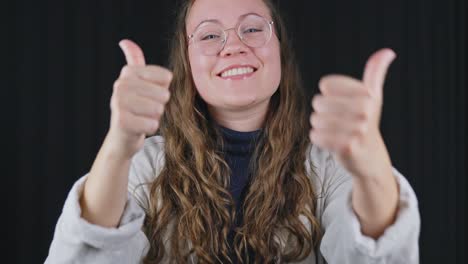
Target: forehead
227	12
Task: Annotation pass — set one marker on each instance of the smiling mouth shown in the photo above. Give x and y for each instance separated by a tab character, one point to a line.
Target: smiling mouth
237	72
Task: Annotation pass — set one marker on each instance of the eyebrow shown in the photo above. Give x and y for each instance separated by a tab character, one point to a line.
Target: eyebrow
219	22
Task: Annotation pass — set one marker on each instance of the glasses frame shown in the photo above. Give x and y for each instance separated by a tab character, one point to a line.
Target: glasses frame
236	28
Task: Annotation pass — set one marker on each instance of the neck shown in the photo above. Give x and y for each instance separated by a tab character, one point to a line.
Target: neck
249	119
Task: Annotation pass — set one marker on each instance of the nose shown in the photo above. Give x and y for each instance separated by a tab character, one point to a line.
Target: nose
233	45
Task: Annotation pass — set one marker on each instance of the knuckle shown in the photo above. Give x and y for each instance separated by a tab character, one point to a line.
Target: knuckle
165	77
364	115
312	118
161	94
325	88
159	74
324	82
169	77
164	73
166	96
159	109
155	110
361	130
316	102
119	100
153	126
120	85
126	71
117	84
315	120
346	148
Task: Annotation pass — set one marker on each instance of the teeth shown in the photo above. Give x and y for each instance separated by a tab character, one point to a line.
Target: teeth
237	71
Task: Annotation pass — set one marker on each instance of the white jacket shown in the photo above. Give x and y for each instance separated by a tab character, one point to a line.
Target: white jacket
78	241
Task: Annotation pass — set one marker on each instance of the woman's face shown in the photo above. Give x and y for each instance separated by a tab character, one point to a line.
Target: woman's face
233	93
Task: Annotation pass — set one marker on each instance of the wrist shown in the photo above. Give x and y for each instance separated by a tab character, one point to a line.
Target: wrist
113	151
375	202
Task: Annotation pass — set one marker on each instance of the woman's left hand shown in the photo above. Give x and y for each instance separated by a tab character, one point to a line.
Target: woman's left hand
346	118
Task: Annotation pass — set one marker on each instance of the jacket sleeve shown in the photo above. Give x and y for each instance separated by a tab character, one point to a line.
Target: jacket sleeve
78	241
343	241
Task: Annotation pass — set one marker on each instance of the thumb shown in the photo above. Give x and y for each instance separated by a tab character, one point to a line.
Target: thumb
376	70
133	53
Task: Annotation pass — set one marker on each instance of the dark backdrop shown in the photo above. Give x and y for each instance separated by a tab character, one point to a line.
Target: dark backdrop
59	61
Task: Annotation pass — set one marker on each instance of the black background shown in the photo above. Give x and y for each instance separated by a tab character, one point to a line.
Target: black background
60	59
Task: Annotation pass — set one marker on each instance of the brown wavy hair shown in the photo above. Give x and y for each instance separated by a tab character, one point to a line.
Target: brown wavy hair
195	210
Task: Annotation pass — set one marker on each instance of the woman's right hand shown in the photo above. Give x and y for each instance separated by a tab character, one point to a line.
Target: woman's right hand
137	103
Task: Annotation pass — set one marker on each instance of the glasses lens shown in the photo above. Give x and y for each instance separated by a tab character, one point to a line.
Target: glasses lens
209	38
255	31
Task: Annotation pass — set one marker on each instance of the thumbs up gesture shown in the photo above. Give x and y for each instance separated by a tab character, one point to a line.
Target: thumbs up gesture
346	118
137	103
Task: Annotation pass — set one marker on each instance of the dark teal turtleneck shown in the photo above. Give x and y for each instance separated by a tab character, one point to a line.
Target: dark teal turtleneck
238	150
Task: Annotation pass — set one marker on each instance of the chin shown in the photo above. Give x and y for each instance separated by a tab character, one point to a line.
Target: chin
233	100
240	104
235	103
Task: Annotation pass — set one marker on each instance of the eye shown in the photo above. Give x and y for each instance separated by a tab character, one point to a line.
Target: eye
210	37
252	30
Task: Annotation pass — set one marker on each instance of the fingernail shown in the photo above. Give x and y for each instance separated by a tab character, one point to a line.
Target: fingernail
121	43
392	54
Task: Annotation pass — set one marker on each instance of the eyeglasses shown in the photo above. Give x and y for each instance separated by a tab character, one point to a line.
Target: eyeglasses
210	38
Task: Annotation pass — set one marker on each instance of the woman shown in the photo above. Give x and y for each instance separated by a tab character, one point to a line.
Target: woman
232	175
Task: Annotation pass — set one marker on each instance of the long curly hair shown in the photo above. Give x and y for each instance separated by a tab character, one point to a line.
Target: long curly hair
191	209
